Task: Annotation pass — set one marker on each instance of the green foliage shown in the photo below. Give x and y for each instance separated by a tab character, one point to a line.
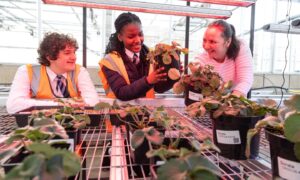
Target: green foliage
292	127
286	122
230	105
191	166
102	106
150	133
46	161
202	78
37	134
166	53
66	116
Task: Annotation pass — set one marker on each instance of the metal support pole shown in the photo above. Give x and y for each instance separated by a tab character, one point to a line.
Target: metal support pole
187	38
84	48
251	43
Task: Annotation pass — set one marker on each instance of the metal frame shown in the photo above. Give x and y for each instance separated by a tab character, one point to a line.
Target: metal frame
145	7
241	3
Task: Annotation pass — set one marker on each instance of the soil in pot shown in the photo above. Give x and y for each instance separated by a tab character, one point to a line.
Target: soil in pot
230	135
283	160
191	95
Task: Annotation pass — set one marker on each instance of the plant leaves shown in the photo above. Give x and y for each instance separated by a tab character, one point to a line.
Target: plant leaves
292	128
71	162
102	105
167	59
30	167
195	160
293	102
175	55
173	74
137	138
178	87
185	50
55	166
202	173
174	169
154	136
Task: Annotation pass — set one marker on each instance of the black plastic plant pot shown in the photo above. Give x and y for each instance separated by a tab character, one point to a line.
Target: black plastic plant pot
139	154
174	64
191	95
73	134
230	135
14	160
22	116
95	118
283	160
114	119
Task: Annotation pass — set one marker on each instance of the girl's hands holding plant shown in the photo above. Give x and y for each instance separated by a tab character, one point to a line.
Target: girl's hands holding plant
156	76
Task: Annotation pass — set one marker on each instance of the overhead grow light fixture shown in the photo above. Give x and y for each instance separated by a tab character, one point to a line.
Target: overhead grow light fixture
243	3
145	7
281	28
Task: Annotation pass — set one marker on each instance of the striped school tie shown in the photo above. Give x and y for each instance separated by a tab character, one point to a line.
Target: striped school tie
135	58
60	86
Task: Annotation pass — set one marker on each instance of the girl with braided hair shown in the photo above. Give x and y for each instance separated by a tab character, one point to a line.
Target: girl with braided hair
125	72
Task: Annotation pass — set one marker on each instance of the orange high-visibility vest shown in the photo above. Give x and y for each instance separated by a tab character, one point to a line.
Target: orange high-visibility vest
40	86
114	62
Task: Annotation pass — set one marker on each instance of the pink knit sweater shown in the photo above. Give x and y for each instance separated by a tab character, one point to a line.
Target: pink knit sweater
239	70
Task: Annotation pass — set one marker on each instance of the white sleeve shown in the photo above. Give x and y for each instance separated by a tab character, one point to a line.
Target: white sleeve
87	88
19	95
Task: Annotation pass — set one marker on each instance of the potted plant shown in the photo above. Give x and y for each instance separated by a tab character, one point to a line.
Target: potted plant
34	157
283	132
167	56
181	156
232	117
202	82
73	123
45	162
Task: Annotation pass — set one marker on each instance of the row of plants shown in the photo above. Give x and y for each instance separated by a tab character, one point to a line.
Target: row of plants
149	143
42	154
37	156
237	121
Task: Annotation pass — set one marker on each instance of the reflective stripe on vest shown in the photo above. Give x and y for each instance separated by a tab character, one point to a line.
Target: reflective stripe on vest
114	62
40	84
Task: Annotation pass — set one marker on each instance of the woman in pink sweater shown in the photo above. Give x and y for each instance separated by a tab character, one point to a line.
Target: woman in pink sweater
230	57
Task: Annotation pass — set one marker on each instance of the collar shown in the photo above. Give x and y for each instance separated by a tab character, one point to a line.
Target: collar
130	54
52	74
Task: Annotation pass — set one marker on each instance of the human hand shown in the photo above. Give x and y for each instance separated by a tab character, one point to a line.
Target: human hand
156	76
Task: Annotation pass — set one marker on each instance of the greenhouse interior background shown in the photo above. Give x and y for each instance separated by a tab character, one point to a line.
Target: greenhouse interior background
275	56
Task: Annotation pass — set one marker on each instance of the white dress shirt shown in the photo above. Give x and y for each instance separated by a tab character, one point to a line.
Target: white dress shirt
130	54
19	95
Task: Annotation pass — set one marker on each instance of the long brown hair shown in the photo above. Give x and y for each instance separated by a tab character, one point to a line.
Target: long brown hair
228	31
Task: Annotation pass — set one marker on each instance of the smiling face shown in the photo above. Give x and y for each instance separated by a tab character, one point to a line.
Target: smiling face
65	61
132	37
215	44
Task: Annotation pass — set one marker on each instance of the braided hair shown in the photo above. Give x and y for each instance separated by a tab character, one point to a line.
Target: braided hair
116	45
228	31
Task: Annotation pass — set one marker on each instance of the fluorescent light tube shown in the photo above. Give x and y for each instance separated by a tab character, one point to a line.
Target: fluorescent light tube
138	6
